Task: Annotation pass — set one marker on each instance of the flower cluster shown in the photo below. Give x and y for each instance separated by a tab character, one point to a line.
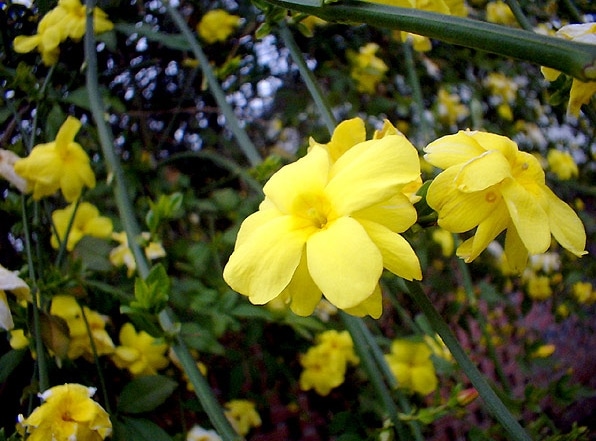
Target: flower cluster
67	413
325	363
86	222
367	69
329	224
122	254
66	20
412	366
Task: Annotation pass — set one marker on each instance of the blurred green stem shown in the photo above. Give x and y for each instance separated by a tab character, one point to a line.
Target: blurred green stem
519	15
125	209
307	76
575	59
244	142
493	403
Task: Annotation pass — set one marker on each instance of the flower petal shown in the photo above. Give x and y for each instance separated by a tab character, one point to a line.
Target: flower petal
304	293
346	135
67	133
309	173
344	262
451	150
396	213
485	170
515	251
262	267
565	225
371	172
372	306
489	229
398	255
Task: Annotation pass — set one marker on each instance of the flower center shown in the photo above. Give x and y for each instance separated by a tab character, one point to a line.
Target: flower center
315	207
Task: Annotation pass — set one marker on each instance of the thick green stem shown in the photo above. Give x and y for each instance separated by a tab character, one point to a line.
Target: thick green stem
575	59
244	142
492	402
307	76
131	227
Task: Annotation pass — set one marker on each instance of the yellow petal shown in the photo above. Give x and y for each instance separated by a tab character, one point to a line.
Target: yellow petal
424	379
346	135
549	73
485	170
529	218
371	172
344	262
67	133
6	321
452	150
307	175
304	294
23	44
398	255
515	251
262	267
492	141
489	229
396	213
565	225
580	94
372	306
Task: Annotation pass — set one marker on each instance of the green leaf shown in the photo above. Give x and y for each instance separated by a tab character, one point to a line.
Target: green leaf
152	293
9	362
138	429
145	394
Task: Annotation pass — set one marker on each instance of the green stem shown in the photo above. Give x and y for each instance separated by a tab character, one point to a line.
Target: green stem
519	15
42	367
374	375
244	142
573	11
425	128
493	403
575	59
307	76
202	389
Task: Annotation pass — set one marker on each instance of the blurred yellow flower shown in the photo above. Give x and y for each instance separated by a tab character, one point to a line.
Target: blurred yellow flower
367	70
66	20
217	25
538	287
67	413
584	293
139	352
87	222
504	89
445	239
581	92
499	12
67	308
562	164
544	351
60	164
242	415
122	254
18	339
328	228
10	281
489	184
450	108
325	363
412	366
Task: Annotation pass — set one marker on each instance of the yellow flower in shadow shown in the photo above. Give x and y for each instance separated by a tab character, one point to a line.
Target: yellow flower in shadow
87	222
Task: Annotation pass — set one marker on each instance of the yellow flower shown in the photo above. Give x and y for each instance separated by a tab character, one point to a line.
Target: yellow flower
61	164
139	352
7	162
411	364
539	287
197	433
18	339
562	164
217	25
581	92
330	227
450	109
445	239
504	90
367	69
584	292
67	308
499	12
325	363
66	20
9	281
544	351
489	184
122	254
68	413
87	222
242	415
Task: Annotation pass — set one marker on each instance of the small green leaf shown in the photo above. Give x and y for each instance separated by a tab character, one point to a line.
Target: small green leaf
9	362
145	394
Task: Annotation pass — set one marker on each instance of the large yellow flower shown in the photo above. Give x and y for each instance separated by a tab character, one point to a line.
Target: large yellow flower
581	91
68	413
139	352
87	222
488	184
61	164
329	227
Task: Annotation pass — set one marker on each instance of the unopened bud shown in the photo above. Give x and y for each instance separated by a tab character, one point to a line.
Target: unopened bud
466	396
